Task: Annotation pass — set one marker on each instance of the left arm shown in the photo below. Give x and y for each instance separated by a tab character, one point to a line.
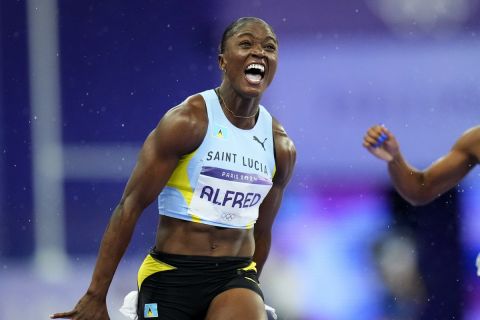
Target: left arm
285	156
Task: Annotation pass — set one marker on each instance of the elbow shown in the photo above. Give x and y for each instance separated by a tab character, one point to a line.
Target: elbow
417	202
419	198
419	194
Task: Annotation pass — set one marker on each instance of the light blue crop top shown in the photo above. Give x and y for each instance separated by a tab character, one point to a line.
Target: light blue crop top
224	181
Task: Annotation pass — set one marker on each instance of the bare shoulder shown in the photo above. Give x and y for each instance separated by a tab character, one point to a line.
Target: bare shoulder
190	113
285	153
473	133
183	126
469	143
283	143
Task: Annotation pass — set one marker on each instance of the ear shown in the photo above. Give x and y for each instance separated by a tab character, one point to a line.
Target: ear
221	62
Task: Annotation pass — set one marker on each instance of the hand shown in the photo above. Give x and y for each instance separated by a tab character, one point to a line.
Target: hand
381	143
271	313
88	308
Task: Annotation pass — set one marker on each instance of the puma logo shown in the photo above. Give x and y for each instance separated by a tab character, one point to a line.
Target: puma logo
261	143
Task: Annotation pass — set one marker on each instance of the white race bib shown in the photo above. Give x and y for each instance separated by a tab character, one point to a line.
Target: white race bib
229	197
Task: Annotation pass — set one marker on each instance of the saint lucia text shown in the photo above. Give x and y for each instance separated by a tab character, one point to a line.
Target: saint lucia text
232	157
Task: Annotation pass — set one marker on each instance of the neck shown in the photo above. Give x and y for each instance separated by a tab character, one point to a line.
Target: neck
237	106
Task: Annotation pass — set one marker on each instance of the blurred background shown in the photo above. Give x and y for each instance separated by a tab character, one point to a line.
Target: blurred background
83	83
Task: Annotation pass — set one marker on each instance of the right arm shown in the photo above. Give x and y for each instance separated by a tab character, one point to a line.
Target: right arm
419	187
179	132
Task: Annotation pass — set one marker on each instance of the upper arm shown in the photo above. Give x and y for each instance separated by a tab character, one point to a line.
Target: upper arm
285	157
447	171
179	132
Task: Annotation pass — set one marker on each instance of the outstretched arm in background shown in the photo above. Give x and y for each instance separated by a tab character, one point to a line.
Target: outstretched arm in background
422	186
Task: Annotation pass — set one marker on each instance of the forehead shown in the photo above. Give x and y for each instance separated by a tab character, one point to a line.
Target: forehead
256	29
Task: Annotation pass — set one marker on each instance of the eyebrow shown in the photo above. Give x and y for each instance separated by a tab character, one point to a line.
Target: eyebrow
251	35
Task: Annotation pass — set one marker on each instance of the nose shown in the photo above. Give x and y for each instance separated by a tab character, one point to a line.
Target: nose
258	51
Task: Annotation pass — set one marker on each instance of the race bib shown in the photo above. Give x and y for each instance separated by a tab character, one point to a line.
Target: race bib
229	197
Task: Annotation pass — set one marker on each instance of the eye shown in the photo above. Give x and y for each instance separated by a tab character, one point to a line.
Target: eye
245	44
270	47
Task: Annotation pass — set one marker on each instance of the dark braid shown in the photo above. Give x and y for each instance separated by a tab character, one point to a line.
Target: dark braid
231	28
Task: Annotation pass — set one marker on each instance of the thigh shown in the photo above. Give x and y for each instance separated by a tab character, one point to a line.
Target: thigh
237	304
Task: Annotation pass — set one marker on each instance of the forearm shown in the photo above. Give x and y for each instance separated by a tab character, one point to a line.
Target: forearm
409	181
114	244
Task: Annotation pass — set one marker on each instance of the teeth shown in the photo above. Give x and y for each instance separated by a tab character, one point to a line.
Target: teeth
256	66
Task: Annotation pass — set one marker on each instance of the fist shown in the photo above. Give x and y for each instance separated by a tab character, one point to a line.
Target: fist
380	142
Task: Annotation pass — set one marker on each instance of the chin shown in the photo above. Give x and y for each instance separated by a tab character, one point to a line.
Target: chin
253	91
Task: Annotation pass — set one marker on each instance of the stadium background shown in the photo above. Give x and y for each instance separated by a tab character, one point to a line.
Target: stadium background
83	82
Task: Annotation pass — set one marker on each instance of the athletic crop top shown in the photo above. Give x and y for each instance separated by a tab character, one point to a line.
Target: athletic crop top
224	181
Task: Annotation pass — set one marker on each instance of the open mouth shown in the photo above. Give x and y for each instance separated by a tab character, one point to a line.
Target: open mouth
255	73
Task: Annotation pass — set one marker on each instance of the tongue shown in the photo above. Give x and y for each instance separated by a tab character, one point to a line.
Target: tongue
255	78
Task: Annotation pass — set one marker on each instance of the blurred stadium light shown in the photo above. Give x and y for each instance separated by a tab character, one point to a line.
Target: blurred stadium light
46	120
